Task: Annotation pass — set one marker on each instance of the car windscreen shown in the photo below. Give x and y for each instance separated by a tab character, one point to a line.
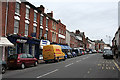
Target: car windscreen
108	52
76	51
13	57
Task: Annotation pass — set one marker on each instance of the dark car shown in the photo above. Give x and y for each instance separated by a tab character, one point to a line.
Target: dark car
77	51
74	54
4	66
21	60
69	55
108	54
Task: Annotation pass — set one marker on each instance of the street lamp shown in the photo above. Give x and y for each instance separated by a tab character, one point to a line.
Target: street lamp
109	38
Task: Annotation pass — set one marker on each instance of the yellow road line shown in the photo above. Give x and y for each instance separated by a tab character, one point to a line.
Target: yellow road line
102	67
116	65
113	68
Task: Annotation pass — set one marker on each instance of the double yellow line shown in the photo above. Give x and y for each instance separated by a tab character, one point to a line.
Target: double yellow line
116	65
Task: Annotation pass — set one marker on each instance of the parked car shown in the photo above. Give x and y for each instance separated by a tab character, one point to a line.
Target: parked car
69	55
65	55
4	66
77	51
94	51
21	60
41	57
90	52
108	54
99	51
74	54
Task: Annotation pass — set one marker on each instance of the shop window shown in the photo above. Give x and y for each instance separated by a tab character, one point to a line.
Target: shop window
25	48
16	26
33	50
12	50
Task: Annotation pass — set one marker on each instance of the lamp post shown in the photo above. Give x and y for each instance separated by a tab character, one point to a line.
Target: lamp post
109	39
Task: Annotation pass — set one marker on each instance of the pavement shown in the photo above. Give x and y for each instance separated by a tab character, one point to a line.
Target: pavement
85	66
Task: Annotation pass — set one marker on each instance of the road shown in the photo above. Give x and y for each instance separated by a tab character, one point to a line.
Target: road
85	66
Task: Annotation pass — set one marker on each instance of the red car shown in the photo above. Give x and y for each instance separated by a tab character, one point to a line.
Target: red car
21	60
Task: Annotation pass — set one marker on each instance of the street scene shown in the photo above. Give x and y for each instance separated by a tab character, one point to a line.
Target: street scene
86	66
60	39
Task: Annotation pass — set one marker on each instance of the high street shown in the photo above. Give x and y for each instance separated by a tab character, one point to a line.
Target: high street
85	66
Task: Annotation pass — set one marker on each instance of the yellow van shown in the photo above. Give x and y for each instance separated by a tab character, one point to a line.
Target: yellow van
53	52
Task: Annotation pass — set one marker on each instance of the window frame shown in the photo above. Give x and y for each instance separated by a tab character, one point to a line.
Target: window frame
16	27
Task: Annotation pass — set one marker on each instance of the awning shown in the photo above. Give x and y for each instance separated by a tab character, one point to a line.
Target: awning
5	42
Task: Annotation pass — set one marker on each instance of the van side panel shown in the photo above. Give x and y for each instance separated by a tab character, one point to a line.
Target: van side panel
51	52
48	52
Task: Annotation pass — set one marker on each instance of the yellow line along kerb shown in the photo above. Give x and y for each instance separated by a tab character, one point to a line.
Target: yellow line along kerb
116	65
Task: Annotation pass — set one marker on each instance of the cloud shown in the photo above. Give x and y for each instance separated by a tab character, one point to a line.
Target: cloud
96	18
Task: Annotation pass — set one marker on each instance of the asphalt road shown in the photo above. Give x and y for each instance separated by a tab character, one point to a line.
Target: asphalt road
85	66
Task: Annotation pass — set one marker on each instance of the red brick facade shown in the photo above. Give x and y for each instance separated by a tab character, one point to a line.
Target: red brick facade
40	10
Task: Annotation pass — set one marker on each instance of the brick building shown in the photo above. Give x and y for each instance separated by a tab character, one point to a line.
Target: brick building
26	25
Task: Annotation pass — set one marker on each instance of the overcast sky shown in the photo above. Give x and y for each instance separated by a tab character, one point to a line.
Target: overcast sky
97	18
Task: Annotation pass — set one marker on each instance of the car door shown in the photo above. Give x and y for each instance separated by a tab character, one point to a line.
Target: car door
31	59
25	59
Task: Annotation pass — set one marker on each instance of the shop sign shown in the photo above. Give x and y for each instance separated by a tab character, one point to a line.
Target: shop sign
21	41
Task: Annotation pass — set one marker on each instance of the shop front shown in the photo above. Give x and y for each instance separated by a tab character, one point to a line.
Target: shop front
23	45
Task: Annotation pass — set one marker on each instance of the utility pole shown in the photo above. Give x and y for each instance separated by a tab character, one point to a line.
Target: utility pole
109	39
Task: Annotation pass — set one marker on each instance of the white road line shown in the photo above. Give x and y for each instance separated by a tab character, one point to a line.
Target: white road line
68	65
47	73
78	61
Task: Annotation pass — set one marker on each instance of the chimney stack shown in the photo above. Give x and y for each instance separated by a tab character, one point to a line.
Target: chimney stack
41	8
50	14
77	32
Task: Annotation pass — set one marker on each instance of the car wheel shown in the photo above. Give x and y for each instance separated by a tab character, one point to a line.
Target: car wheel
36	63
57	60
3	69
46	62
23	66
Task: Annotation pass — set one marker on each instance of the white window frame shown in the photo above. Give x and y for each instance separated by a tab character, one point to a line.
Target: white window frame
16	27
27	15
26	29
17	13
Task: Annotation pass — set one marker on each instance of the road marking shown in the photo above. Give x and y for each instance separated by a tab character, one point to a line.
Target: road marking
99	64
102	67
106	67
47	73
78	61
68	65
88	72
113	68
116	65
109	67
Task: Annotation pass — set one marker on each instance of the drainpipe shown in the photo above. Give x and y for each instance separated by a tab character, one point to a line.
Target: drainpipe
6	18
